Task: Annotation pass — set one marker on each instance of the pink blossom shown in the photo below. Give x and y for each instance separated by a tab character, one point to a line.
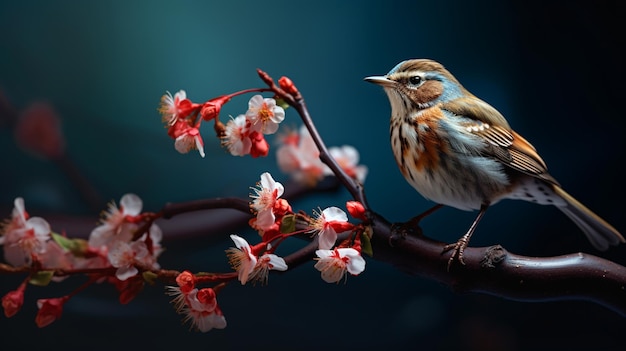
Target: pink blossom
186	136
173	108
203	300
23	237
333	264
205	321
199	306
123	256
242	259
54	256
264	200
298	156
266	263
236	138
115	224
155	235
190	140
348	159
328	224
264	114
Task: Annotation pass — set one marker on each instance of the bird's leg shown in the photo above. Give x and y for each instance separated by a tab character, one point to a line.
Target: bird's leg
412	225
462	243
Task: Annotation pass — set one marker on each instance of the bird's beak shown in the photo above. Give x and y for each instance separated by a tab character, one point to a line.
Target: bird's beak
380	80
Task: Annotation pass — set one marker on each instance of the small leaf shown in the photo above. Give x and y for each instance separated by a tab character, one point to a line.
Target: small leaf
282	103
288	224
76	246
366	245
63	241
149	277
41	278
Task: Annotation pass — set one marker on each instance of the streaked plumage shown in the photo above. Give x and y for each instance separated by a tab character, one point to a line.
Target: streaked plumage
459	151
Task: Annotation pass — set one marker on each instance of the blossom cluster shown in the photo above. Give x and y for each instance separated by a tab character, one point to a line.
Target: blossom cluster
275	221
245	134
29	241
298	156
123	250
242	135
198	305
114	239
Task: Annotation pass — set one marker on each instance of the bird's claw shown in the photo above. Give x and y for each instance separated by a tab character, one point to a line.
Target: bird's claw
405	229
457	252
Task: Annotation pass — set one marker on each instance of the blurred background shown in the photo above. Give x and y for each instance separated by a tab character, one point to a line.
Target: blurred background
555	72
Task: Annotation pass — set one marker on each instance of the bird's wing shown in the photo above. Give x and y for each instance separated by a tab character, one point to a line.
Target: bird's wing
503	143
474	108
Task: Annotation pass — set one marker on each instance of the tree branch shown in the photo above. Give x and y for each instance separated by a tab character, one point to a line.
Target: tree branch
494	271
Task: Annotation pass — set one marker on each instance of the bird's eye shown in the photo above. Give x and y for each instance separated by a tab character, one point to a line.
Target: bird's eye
415	80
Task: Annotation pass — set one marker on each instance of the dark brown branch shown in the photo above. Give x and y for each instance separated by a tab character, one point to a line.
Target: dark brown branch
172	209
489	270
494	271
292	191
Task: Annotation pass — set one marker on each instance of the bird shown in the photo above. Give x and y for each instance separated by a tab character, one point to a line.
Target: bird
457	150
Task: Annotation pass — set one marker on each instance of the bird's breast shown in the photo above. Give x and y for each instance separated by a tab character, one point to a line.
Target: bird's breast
417	142
443	161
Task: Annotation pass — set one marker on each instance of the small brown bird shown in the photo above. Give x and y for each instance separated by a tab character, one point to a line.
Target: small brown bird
459	151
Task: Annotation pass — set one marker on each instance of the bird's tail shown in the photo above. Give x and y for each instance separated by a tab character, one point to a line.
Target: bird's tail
598	231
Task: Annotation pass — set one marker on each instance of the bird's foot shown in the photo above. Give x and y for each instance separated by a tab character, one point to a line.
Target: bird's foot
405	229
411	227
457	251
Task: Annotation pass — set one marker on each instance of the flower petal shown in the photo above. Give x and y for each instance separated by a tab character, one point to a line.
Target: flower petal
240	242
327	239
126	272
334	214
40	226
356	263
131	204
277	263
323	253
20	210
255	102
267	182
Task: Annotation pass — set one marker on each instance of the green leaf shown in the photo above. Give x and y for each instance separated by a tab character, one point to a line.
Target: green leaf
149	277
76	246
282	103
41	278
366	245
288	224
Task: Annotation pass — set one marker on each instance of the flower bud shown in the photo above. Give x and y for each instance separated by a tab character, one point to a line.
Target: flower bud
260	147
287	85
49	310
356	210
186	281
38	130
12	302
211	109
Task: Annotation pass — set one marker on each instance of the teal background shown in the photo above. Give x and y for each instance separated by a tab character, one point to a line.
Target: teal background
555	71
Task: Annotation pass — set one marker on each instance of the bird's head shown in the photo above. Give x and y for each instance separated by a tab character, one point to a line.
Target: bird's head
418	84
